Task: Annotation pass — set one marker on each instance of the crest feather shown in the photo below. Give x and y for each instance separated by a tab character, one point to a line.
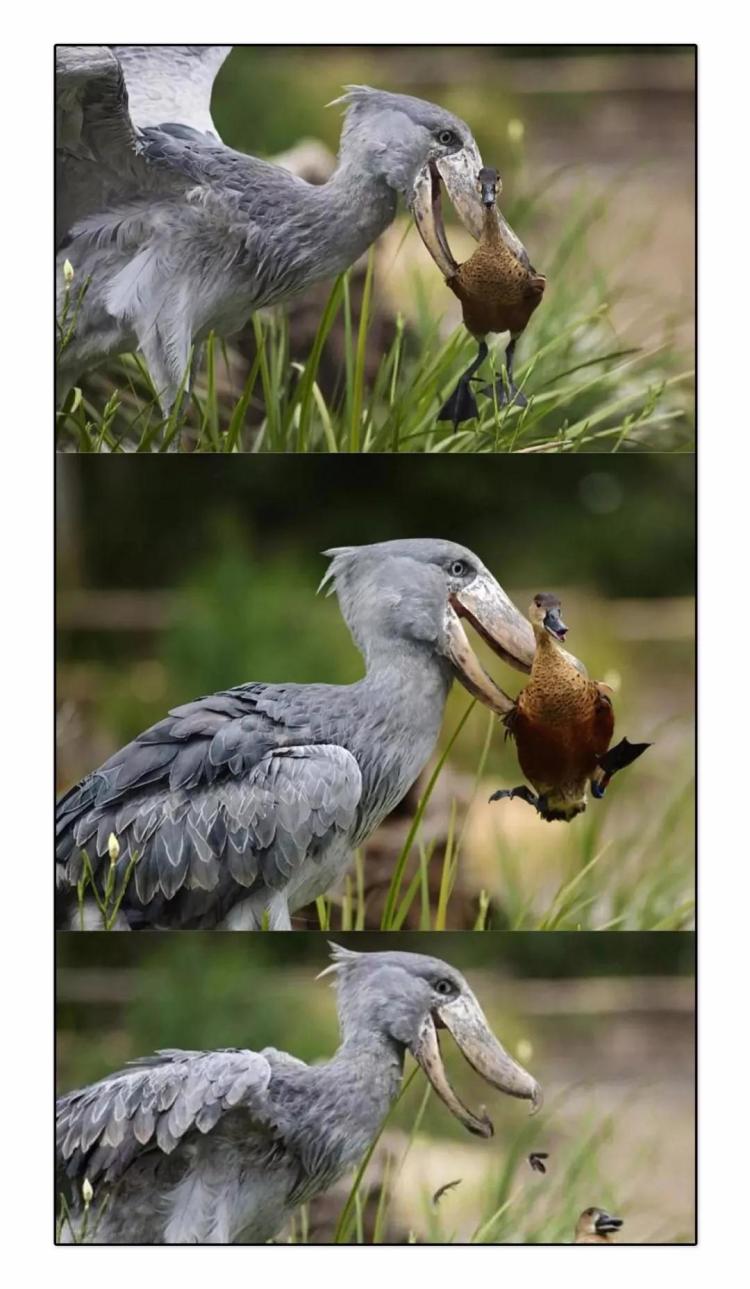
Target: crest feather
341	959
353	94
336	554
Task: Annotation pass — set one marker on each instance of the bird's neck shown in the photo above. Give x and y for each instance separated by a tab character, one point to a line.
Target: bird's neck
411	685
349	212
339	1106
547	653
368	1057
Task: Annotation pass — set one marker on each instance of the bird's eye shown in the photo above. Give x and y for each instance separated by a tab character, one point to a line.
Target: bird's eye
448	138
458	568
443	987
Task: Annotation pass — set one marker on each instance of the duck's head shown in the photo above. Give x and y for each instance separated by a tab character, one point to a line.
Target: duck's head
596	1225
490	186
544	615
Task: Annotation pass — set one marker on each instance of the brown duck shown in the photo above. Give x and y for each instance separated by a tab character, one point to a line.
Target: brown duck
595	1226
562	724
499	290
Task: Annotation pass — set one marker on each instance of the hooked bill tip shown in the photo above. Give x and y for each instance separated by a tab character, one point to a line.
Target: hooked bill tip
537	1100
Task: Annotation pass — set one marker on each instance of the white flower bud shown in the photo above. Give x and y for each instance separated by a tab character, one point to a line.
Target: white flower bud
87	1192
68	272
113	846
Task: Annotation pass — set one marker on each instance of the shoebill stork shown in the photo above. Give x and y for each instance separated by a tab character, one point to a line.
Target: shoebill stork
247	804
177	234
210	1147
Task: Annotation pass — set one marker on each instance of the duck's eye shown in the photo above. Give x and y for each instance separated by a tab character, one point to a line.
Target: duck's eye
444	987
448	138
458	568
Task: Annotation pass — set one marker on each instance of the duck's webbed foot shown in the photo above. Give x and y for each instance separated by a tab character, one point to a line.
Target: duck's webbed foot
617	758
523	793
462	405
507	396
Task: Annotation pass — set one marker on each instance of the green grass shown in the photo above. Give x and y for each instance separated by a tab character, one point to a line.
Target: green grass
588	389
639	880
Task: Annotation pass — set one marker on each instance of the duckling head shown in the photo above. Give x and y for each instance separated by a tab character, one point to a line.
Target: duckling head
544	615
596	1226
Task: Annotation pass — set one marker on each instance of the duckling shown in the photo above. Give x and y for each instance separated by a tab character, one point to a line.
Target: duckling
499	290
563	724
595	1226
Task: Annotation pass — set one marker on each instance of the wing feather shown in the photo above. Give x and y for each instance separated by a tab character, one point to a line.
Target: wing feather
171	83
153	1104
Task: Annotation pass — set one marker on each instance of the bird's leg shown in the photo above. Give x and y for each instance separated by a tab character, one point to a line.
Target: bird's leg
617	758
506	390
523	793
462	405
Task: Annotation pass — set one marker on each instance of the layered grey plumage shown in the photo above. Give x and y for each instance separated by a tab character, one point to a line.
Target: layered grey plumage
210	1147
249	802
177	234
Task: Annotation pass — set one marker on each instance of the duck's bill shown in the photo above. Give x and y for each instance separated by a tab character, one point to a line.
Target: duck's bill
459	173
464	1019
606	1223
555	625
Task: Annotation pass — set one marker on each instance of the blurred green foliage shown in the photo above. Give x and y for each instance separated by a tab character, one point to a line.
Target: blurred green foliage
624	527
208	989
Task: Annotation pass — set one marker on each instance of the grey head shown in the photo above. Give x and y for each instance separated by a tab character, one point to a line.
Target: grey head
406	998
412	145
415	594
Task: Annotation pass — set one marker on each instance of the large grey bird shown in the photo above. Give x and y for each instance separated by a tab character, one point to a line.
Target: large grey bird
211	1147
245	805
177	235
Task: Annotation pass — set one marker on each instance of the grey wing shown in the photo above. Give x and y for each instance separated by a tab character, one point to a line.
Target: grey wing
105	99
98	148
171	83
216	797
152	1104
